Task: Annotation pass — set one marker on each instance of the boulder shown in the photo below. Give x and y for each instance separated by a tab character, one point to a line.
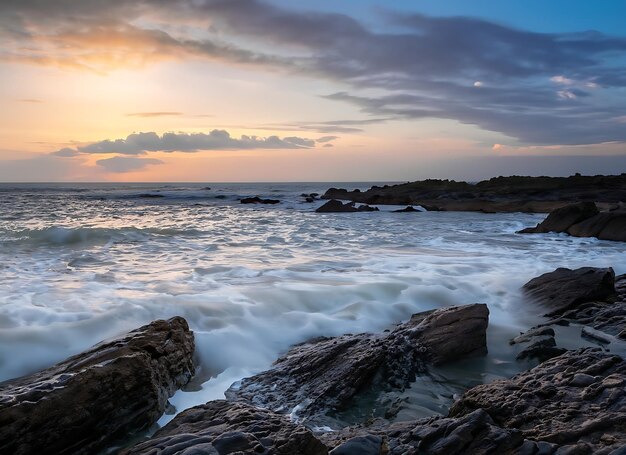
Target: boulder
325	374
561	219
335	206
407	209
576	401
564	289
258	200
90	400
221	427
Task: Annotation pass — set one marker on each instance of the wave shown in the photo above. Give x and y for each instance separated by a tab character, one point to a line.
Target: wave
66	236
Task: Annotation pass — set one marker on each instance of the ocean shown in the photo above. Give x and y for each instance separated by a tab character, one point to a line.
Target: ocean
80	263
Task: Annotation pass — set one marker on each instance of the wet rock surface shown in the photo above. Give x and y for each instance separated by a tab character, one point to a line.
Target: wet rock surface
407	209
564	289
90	400
334	206
576	401
500	194
584	220
222	427
325	374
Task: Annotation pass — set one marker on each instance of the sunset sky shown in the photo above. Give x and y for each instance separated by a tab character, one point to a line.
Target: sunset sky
350	90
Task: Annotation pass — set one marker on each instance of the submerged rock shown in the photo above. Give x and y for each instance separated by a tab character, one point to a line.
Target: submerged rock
222	427
86	402
327	373
576	401
258	200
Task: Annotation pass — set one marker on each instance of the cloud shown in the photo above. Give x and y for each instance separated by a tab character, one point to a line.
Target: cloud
325	139
30	100
119	164
142	143
154	114
538	88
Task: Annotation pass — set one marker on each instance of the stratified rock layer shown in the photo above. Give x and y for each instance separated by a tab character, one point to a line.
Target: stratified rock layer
88	401
326	373
577	399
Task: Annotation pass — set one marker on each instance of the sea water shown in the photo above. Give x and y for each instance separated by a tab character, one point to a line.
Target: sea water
80	263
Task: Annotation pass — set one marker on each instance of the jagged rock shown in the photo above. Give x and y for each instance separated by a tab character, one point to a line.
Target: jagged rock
333	206
555	404
533	333
326	373
561	219
88	401
499	194
361	445
221	427
565	289
258	200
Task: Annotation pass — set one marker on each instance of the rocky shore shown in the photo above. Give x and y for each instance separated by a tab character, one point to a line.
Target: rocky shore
500	194
571	402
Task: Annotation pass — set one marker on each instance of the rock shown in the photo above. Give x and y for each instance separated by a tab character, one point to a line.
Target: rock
337	206
86	402
500	194
149	196
221	427
258	200
327	373
550	403
561	219
564	289
542	349
533	333
361	445
408	209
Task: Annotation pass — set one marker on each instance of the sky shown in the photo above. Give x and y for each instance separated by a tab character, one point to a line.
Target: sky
325	90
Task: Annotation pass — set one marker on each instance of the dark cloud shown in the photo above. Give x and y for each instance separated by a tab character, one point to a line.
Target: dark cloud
142	143
120	164
539	88
154	114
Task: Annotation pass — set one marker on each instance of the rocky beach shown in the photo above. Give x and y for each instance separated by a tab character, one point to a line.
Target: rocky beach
309	330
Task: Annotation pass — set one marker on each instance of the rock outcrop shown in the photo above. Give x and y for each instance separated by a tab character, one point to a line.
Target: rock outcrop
88	401
334	206
584	220
407	209
576	401
500	194
564	289
258	200
327	373
222	427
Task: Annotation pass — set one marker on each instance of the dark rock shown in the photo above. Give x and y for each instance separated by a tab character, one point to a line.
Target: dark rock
149	196
258	200
408	209
542	349
500	194
561	219
334	206
533	333
327	373
88	401
564	289
360	445
222	427
550	403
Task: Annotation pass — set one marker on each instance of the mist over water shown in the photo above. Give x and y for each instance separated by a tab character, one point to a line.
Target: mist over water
85	262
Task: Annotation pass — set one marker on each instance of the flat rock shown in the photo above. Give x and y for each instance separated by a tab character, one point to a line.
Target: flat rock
564	289
258	200
335	206
222	427
327	373
553	403
90	400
